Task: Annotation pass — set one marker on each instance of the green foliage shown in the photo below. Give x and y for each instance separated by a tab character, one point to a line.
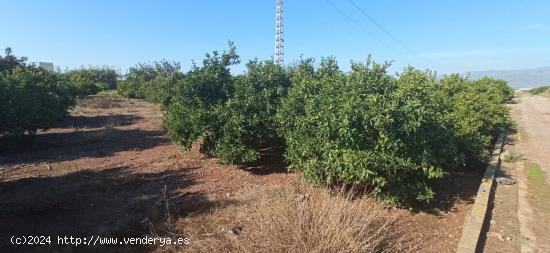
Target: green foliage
152	82
233	115
248	116
162	88
198	101
395	135
366	128
478	113
539	90
89	81
127	89
10	61
30	98
494	88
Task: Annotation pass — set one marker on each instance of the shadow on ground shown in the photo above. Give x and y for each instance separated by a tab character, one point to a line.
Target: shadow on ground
110	202
271	161
459	185
98	121
489	214
66	146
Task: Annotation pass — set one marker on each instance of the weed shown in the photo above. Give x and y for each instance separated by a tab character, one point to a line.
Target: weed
512	155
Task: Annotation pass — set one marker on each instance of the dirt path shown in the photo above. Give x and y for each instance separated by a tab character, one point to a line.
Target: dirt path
108	170
534	119
532	114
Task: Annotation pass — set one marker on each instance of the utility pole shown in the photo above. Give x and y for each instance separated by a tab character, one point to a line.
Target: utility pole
279	55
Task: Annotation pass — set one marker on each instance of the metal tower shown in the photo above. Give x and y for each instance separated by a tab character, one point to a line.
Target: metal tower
279	55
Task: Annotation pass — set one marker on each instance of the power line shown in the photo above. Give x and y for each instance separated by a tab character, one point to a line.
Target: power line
380	26
388	33
365	29
358	24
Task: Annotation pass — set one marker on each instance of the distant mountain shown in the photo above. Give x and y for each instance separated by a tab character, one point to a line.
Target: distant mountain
521	78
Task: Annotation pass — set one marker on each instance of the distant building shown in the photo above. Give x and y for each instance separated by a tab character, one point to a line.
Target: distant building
46	65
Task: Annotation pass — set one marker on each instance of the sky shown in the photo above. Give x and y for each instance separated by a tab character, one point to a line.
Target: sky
445	36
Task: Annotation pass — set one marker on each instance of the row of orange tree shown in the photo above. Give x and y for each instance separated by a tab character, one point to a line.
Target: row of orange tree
32	98
393	134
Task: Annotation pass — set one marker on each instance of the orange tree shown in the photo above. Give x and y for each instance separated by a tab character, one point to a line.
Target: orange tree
31	98
234	115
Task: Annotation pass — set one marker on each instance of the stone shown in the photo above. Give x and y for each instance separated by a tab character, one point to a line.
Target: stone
505	181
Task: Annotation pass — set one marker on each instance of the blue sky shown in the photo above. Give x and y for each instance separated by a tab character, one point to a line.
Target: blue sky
448	36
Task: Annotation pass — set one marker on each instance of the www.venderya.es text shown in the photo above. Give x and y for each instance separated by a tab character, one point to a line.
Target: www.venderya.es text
96	240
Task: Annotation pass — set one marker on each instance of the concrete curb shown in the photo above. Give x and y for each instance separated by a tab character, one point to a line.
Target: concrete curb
471	231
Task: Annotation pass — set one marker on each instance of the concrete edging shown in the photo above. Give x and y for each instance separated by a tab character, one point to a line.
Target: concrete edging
471	230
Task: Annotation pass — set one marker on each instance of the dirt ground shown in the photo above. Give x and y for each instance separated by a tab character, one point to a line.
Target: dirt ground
501	233
109	170
532	114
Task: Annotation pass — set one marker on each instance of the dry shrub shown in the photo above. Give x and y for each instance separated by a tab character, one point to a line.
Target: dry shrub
295	220
319	222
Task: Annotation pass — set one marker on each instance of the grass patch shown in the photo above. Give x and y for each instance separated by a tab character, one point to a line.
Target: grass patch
539	189
107	93
534	172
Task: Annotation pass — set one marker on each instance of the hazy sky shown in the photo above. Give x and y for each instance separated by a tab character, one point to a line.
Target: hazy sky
448	36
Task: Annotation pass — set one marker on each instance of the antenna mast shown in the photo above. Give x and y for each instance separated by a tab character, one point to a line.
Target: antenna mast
279	55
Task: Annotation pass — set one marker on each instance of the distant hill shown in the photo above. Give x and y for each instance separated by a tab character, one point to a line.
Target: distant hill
521	78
